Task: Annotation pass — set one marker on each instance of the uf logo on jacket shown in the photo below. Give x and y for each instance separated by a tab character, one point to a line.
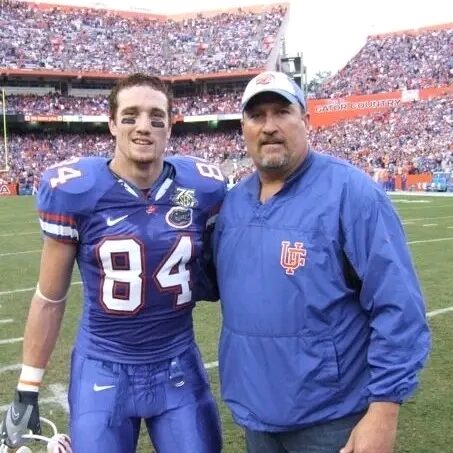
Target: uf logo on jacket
292	258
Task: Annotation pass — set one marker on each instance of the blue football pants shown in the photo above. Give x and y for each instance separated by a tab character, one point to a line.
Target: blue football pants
108	400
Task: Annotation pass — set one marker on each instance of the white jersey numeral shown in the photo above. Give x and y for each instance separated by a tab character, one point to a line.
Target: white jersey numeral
123	272
173	275
64	175
210	171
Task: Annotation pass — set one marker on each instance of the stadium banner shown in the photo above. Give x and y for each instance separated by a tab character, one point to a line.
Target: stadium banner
7	190
43	118
72	118
200	118
229	116
430	93
14	118
95	119
85	118
177	118
413	182
324	112
212	117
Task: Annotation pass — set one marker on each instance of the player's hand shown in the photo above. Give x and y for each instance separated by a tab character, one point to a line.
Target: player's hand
21	417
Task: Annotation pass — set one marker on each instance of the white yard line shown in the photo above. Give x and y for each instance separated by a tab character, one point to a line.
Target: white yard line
421	219
14	291
440	311
424	241
210	365
26	252
7	235
24	290
59	397
6	321
2	224
14	367
410	207
11	340
429	224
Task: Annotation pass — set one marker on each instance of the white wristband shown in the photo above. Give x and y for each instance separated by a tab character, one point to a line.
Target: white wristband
30	378
46	299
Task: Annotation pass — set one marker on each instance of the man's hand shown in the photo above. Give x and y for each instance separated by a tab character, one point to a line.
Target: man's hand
21	416
376	431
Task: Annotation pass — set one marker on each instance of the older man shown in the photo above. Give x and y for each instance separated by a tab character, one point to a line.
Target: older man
324	324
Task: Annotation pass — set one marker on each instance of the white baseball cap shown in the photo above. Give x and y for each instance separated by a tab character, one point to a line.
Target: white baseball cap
275	82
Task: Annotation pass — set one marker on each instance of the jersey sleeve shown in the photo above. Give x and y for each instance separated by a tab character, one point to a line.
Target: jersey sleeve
62	197
56	217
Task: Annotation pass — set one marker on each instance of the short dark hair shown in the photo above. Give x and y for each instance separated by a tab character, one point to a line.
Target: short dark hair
139	79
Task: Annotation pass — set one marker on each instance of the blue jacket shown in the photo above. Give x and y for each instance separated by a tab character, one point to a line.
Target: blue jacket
322	310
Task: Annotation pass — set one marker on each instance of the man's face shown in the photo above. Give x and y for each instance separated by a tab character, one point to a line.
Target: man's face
141	125
275	133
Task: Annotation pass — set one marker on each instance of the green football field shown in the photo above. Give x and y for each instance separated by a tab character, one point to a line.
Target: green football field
426	421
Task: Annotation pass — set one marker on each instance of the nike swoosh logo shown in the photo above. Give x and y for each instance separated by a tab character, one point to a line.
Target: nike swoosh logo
99	388
14	415
112	222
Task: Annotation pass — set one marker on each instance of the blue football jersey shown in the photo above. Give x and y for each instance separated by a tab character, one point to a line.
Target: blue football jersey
140	257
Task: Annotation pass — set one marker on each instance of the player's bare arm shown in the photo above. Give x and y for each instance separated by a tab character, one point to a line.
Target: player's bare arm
47	305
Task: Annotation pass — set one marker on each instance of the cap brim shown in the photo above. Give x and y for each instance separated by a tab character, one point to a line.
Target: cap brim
288	96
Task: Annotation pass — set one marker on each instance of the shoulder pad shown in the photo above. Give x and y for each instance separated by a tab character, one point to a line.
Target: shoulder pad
70	185
197	169
76	175
201	177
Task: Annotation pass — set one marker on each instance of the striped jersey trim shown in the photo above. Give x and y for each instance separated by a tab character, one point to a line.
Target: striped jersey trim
57	218
59	231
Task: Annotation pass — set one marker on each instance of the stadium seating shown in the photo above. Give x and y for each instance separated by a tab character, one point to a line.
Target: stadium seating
85	40
414	137
411	138
407	60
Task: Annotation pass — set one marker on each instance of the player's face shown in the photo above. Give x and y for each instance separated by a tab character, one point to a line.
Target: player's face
275	133
141	125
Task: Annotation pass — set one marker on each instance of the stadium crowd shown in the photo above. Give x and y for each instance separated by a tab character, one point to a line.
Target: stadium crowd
385	63
31	153
222	101
412	138
84	40
415	135
395	62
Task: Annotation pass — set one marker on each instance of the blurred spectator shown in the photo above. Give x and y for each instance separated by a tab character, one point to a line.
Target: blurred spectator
85	40
412	138
395	62
223	101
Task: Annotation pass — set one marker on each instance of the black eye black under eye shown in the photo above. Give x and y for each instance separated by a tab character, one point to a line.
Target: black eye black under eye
157	123
154	123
